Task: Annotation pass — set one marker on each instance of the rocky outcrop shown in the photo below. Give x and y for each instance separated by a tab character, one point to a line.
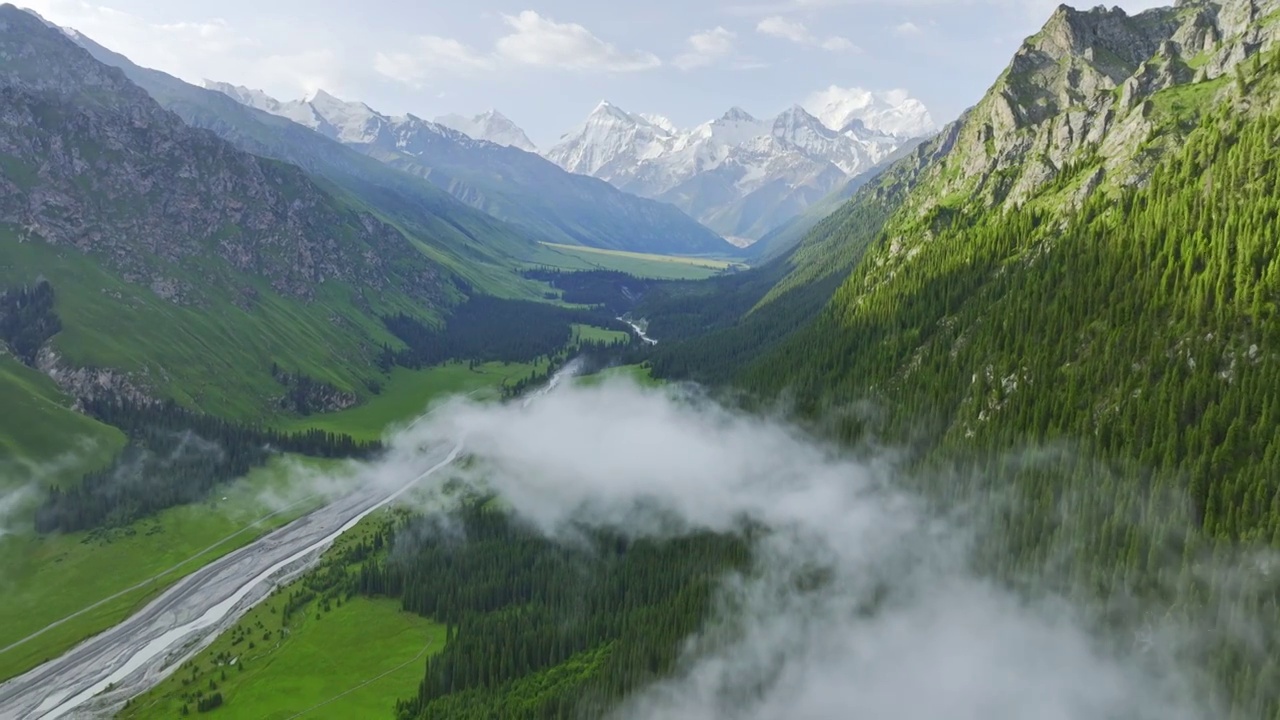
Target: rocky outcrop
86	384
305	395
1080	92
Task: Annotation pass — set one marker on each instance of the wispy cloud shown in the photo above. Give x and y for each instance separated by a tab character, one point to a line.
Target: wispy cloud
797	32
540	41
706	48
430	54
533	41
907	29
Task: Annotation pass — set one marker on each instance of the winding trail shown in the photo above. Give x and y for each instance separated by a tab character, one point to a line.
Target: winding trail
364	684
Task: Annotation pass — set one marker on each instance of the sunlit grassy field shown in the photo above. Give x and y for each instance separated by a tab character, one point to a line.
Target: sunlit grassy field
47	578
662	267
353	660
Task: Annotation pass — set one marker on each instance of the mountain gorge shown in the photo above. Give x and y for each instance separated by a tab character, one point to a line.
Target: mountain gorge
520	188
740	175
1045	338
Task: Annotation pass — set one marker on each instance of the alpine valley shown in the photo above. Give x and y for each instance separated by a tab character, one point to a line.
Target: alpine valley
308	409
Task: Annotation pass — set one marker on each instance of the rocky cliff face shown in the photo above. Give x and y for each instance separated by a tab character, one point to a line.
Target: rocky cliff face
1092	90
91	161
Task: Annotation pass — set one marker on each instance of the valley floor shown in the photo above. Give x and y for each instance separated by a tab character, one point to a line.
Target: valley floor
349	659
59	589
56	590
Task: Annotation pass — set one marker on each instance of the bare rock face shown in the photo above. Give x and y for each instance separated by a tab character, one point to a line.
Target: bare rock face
87	384
1080	91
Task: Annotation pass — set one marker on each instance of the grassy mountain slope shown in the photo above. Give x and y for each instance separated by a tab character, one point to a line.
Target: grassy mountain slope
178	260
541	199
786	236
469	242
41	437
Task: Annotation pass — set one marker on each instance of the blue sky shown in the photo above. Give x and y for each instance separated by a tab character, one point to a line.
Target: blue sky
546	63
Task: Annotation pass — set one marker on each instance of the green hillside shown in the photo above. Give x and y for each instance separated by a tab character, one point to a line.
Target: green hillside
1110	303
187	352
471	244
42	439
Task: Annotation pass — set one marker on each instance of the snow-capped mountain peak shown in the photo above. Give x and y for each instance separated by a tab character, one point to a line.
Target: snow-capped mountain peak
660	121
796	119
353	123
245	96
348	122
490	125
893	113
741	175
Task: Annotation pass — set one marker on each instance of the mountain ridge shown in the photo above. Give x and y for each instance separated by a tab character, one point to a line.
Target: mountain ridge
515	186
491	126
1063	306
176	257
740	175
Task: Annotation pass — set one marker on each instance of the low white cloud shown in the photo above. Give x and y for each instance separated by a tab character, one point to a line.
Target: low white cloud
797	32
15	505
705	48
543	42
861	602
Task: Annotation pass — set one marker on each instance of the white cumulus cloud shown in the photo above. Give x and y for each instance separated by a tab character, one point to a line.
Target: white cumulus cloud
797	32
540	41
705	48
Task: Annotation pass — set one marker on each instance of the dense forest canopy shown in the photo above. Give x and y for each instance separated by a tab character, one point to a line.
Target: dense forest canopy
174	456
487	329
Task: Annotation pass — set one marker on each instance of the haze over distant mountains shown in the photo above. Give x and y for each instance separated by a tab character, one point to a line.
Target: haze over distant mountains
739	175
490	125
518	187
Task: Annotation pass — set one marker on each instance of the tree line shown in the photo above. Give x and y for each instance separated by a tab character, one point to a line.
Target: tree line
613	290
28	320
1141	330
538	628
488	329
174	456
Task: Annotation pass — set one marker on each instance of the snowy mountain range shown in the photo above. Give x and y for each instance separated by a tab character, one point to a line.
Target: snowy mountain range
518	187
492	126
739	175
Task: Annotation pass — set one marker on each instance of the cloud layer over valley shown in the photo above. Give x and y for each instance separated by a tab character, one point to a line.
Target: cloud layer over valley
861	602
